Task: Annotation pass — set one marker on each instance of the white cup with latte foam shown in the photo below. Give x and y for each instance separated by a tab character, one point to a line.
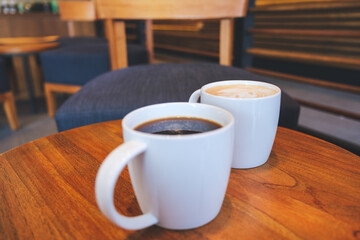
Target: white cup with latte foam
256	107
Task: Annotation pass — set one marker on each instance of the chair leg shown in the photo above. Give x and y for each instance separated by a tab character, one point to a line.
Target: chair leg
226	41
116	35
10	110
50	100
51	88
149	40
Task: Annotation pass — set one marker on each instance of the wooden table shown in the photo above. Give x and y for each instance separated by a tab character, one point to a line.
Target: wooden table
24	47
308	189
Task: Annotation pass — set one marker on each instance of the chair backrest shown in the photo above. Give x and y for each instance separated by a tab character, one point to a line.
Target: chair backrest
77	10
171	9
71	11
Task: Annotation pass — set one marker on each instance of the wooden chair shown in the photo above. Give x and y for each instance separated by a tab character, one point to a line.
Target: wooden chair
69	11
77	52
115	12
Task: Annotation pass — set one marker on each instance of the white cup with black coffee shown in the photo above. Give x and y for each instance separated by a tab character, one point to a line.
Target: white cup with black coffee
179	159
255	106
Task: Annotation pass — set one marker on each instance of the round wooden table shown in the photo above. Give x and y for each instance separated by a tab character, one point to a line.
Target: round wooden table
308	189
23	47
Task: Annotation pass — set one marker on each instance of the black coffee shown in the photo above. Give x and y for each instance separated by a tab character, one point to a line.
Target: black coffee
178	126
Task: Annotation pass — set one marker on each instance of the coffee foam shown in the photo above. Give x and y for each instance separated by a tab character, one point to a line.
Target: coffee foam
241	91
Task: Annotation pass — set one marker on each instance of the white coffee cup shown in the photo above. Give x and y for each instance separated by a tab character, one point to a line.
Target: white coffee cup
179	180
256	120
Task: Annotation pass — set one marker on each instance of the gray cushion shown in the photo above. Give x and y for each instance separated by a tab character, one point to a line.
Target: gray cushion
78	41
114	94
77	63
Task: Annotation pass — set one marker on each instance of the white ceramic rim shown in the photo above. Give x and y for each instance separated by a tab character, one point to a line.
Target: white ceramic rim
244	82
217	110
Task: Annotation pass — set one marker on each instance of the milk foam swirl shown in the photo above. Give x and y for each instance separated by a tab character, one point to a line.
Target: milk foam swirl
241	91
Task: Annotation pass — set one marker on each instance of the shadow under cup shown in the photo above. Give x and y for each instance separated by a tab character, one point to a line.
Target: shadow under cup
256	120
179	180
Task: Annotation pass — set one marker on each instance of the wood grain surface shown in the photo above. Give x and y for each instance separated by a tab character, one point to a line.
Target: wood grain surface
308	189
170	9
304	57
77	10
11	49
27	40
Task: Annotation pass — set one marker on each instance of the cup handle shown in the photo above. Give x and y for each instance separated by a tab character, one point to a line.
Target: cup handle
106	178
194	98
